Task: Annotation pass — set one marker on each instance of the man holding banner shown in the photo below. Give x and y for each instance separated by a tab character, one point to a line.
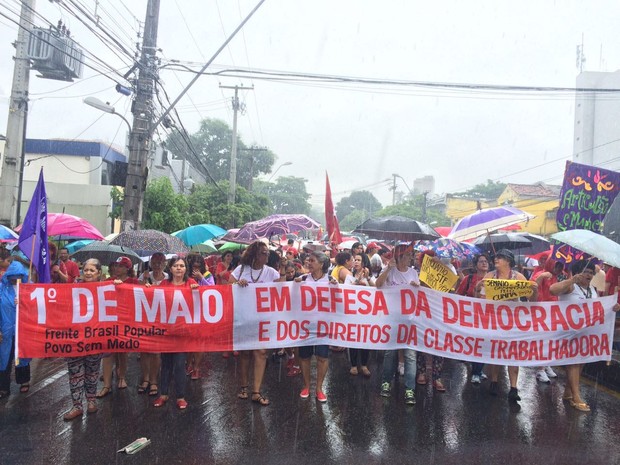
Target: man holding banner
504	284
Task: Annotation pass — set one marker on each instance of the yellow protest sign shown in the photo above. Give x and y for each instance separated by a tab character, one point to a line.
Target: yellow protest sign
507	289
436	275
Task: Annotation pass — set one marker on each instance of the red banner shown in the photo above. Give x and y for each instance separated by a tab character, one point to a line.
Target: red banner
74	320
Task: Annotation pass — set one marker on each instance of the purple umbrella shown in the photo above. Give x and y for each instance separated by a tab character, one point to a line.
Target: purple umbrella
273	225
487	220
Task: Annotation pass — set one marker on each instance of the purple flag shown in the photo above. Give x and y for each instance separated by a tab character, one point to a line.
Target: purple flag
33	236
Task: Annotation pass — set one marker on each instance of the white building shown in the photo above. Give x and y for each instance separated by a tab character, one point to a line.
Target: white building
424	184
597	121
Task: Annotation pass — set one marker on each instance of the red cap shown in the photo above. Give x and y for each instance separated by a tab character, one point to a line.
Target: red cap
372	245
292	250
124	261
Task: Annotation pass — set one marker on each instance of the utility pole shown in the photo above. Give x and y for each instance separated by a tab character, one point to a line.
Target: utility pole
141	132
232	192
393	189
424	195
13	161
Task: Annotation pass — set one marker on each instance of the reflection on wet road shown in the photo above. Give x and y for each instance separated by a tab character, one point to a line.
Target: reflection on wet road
356	426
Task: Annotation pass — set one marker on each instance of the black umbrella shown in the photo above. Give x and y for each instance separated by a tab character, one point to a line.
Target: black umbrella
510	241
105	253
396	228
611	223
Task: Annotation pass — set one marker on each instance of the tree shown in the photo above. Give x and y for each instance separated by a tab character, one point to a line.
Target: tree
287	195
490	190
209	204
358	200
353	220
164	209
212	146
414	208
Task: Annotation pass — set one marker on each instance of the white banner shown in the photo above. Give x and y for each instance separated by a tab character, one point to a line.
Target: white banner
503	333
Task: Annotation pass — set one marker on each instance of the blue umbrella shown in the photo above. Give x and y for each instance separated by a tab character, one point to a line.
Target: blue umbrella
199	233
7	234
77	245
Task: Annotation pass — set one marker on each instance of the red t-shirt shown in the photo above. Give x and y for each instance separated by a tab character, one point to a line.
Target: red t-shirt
72	271
468	286
612	276
127	280
222	274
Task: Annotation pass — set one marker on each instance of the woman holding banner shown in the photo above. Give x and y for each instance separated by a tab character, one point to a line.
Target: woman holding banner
504	263
578	287
252	270
173	364
360	276
318	265
398	272
468	288
84	371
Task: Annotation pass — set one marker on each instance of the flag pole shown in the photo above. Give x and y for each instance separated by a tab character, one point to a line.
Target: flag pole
30	261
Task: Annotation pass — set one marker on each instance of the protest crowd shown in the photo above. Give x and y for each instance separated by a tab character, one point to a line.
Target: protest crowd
94	376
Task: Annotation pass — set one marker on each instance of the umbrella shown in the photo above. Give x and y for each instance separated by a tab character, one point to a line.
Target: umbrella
206	247
347	245
611	223
448	248
486	220
7	234
311	246
397	228
105	253
231	247
273	225
199	233
77	245
69	227
510	241
591	243
148	241
539	244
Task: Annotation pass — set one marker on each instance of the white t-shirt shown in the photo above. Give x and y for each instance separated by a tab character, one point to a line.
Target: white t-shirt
579	293
307	278
265	275
399	278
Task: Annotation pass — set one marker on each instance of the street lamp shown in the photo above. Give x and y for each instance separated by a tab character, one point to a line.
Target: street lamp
286	163
406	185
99	105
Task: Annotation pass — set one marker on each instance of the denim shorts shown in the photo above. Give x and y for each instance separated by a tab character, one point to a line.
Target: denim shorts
308	351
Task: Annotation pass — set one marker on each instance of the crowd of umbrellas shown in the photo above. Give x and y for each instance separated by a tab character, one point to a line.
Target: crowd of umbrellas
482	231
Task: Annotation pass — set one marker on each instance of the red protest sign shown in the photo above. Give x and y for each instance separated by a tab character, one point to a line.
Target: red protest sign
62	320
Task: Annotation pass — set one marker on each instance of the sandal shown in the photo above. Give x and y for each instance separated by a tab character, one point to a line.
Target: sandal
153	391
366	372
24	388
421	379
143	387
72	414
122	384
438	385
258	398
581	406
105	390
353	371
243	393
92	406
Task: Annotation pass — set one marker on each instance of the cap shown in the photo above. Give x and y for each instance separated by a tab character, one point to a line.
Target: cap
292	250
372	245
507	254
124	261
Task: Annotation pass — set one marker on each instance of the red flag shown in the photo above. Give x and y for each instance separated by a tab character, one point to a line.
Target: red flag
331	222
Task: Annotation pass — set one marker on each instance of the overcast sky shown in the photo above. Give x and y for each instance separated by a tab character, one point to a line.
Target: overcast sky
360	134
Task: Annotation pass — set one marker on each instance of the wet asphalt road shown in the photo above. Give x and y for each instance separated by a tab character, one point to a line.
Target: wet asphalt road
356	426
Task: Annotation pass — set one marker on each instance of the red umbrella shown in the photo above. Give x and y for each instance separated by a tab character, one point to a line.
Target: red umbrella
69	227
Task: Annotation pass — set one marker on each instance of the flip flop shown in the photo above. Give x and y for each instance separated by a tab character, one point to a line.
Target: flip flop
105	390
24	388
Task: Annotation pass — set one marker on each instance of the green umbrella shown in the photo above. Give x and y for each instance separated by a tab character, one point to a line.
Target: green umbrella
206	247
231	246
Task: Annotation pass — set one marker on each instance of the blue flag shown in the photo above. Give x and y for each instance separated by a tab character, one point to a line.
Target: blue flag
33	236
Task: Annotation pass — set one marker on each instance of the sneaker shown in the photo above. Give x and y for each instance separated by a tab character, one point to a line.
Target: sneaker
493	388
305	393
550	372
483	377
321	397
542	377
475	379
401	368
513	395
409	397
385	389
